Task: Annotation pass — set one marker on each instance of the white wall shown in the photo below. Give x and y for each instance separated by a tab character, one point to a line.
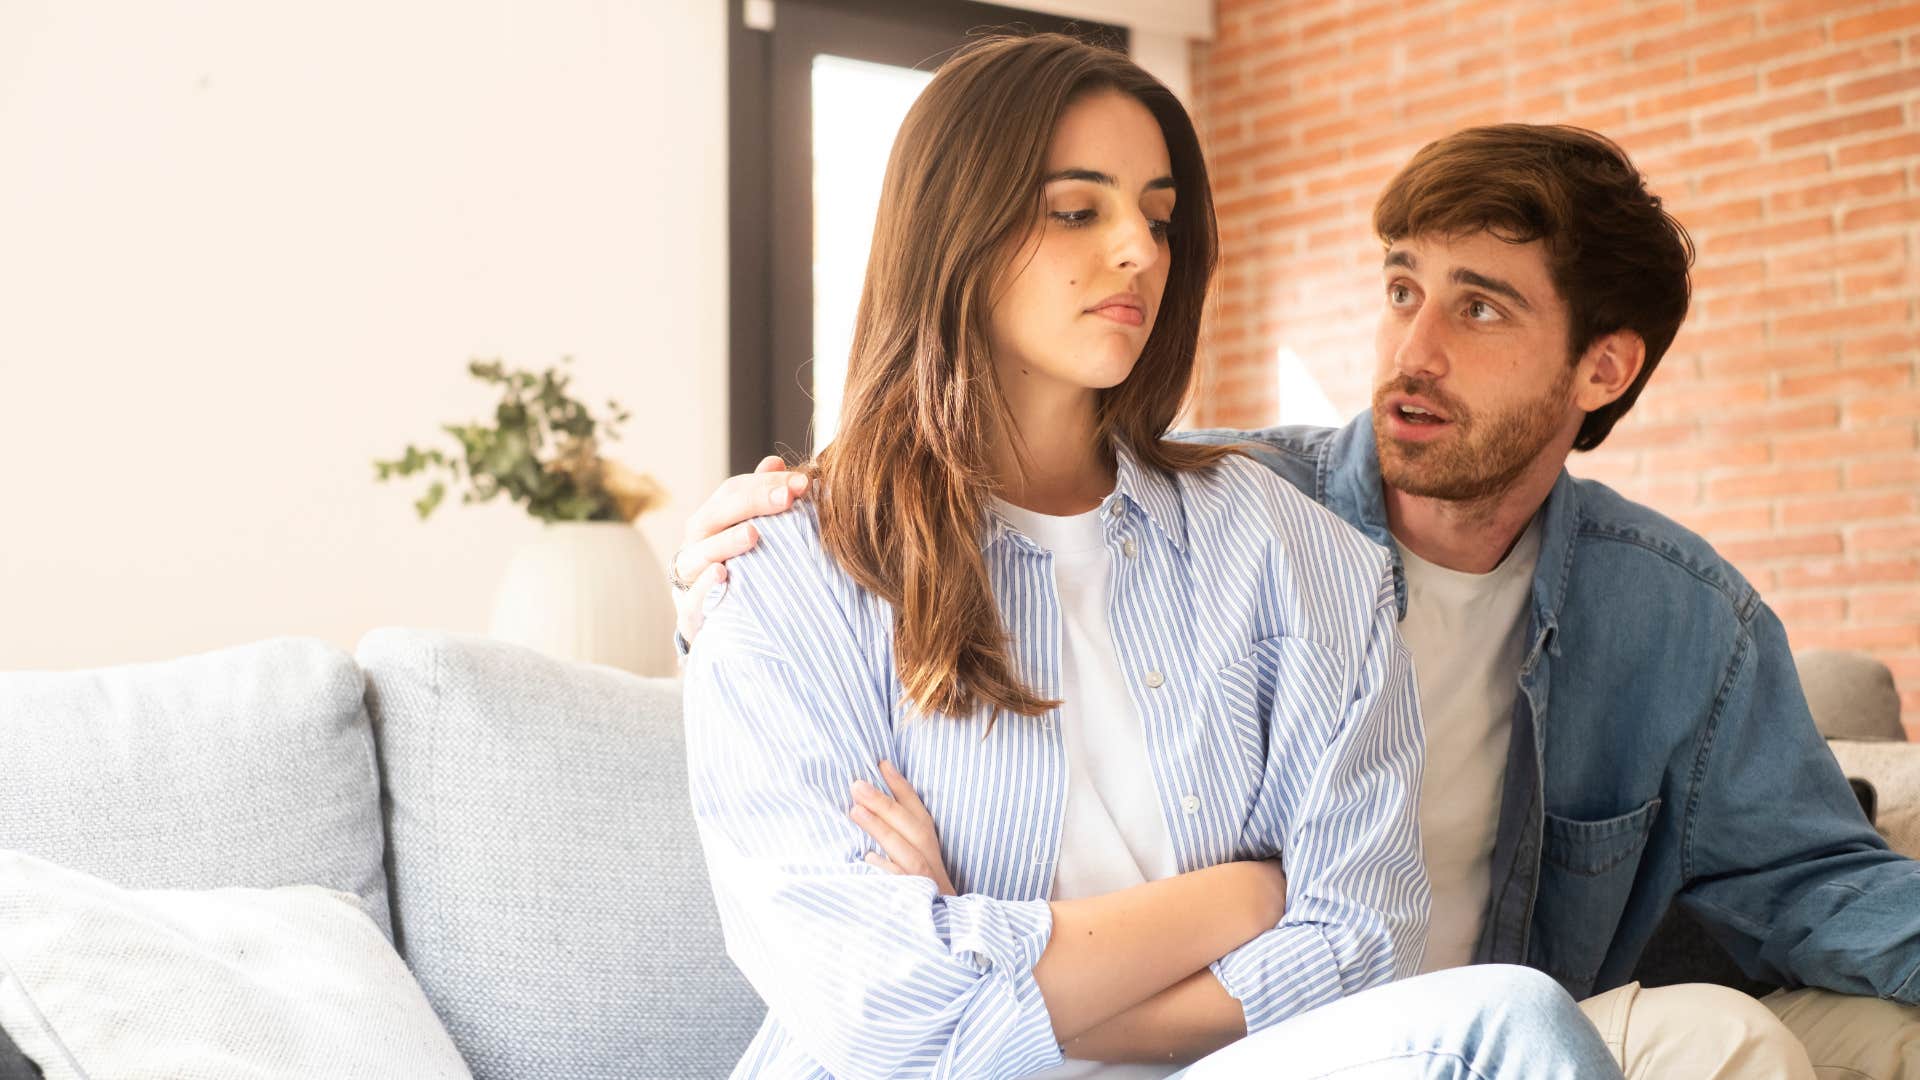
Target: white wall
245	248
1183	18
1167	57
1162	32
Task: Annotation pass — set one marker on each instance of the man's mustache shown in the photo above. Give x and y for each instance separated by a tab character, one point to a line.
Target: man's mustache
1455	410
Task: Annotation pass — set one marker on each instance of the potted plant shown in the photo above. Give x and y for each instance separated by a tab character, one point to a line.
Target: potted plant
589	587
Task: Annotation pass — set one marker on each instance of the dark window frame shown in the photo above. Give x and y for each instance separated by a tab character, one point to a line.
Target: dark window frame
770	210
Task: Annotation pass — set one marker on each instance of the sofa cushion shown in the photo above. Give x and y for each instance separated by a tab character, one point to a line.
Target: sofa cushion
251	767
549	890
1850	694
1893	768
214	984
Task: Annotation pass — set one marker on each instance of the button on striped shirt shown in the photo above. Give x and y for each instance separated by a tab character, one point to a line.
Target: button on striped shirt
1257	635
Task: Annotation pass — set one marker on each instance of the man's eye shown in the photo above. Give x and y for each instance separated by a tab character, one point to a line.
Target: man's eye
1398	294
1480	310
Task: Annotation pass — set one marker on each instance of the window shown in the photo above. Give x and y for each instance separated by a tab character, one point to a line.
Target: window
816	99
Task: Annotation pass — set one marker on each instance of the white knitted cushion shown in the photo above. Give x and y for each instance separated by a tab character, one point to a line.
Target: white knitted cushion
1893	768
226	984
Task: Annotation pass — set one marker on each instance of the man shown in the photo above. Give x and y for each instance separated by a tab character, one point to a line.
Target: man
1613	719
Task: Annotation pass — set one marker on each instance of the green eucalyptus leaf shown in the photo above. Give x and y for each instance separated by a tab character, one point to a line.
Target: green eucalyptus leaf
577	507
535	426
431	500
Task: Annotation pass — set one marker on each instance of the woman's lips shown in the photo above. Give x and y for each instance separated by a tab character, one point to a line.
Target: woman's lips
1124	308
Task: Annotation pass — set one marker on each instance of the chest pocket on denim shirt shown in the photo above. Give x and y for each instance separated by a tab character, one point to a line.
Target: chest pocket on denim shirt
1587	870
1286	689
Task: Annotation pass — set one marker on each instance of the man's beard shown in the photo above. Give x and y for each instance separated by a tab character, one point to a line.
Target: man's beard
1482	456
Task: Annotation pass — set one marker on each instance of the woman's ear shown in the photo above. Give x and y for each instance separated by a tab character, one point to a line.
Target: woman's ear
1609	367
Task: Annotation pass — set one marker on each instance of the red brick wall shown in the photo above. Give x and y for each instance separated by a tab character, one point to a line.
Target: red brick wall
1784	424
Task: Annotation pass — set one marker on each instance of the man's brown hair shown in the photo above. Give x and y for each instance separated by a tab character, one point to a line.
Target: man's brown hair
906	482
1617	257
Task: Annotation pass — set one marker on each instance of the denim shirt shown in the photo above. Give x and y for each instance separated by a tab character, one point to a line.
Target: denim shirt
1662	750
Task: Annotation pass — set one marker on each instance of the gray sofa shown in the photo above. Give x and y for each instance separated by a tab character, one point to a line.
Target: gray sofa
518	824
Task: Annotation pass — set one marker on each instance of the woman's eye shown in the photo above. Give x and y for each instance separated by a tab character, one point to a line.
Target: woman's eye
1073	219
1159	227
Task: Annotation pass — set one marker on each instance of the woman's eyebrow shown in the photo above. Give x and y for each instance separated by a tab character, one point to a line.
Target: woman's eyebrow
1094	176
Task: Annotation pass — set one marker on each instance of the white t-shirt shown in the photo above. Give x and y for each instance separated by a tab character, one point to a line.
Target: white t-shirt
1467	634
1113	834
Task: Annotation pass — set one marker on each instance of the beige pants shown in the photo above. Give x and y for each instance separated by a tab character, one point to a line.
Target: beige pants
1852	1038
1715	1033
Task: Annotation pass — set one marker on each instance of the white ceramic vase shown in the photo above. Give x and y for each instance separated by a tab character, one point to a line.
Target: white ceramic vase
591	591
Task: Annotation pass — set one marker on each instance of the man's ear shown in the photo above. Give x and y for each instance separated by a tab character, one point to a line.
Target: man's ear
1610	365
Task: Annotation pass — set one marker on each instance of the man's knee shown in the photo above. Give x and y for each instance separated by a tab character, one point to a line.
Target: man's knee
1737	1019
1709	1031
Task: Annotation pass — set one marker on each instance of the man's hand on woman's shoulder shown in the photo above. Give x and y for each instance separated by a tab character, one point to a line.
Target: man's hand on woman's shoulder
722	528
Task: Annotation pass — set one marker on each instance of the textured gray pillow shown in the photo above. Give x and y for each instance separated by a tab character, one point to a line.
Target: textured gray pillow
250	767
1851	694
549	891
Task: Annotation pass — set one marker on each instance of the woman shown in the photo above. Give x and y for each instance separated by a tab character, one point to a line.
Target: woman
1123	676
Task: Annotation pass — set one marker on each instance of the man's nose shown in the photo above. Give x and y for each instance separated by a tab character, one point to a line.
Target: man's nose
1423	349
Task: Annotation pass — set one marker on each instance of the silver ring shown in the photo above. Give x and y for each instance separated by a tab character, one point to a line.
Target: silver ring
673	574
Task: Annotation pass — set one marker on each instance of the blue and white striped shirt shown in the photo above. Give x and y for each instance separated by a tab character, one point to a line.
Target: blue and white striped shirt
1258	634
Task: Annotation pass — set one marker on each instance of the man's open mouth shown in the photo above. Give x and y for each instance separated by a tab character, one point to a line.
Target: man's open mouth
1414	414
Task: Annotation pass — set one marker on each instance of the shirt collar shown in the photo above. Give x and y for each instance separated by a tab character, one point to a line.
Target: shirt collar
1145	489
1559	520
1349	479
1152	491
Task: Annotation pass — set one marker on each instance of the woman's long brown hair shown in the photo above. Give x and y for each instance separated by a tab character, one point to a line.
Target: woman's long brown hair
906	482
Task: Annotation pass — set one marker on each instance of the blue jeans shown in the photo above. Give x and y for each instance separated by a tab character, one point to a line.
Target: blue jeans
1483	1022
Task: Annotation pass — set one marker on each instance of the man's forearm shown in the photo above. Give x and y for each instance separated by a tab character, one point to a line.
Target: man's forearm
1177	1026
1108	954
